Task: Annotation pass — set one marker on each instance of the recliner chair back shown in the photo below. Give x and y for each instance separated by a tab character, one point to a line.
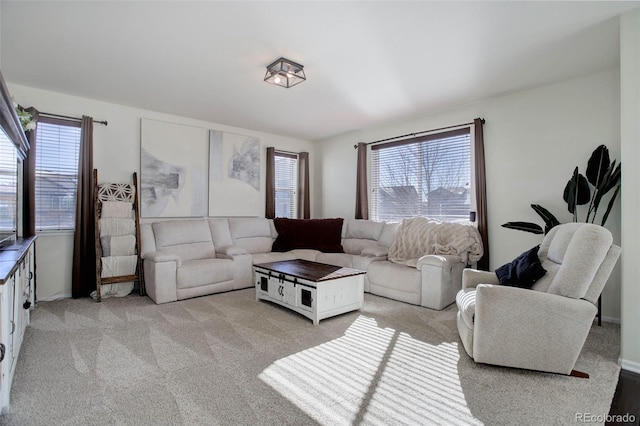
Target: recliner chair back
579	258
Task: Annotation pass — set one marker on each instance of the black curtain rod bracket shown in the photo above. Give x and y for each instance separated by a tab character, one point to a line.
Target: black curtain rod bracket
417	133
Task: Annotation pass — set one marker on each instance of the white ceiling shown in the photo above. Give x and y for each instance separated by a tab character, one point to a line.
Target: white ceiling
366	62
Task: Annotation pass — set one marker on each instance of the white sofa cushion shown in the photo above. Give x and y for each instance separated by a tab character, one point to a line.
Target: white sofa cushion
271	257
189	239
364	229
357	245
336	259
397	277
305	254
388	234
251	234
199	272
220	232
147	239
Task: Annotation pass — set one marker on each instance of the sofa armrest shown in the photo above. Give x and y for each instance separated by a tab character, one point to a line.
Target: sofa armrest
472	277
529	329
242	271
162	256
160	276
375	251
227	252
436	260
441	279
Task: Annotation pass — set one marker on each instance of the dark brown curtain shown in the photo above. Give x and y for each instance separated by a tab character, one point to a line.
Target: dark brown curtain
84	258
29	182
270	207
304	205
362	195
481	192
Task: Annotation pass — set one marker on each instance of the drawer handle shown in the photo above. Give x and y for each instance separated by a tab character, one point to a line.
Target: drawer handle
1	351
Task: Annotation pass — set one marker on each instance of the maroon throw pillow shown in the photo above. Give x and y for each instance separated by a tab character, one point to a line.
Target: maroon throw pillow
318	234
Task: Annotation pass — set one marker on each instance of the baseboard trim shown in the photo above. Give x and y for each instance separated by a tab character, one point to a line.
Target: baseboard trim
629	365
611	320
54	297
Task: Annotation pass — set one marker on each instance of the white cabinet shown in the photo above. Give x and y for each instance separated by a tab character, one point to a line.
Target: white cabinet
17	295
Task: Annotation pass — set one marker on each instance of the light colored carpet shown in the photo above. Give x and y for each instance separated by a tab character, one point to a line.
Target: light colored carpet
227	359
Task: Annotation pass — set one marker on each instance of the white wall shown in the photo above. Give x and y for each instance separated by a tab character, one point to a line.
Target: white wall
533	141
116	156
630	136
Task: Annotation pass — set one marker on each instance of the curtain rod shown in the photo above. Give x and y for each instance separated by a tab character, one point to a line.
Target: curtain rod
286	152
48	114
416	133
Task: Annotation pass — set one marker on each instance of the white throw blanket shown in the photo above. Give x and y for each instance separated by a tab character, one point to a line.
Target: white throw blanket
419	236
123	245
116	266
121	209
115	226
117	237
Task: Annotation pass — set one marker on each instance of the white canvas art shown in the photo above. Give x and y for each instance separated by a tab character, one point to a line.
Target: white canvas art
234	175
173	165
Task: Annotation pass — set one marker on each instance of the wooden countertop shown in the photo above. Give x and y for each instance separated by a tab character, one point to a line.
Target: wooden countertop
11	255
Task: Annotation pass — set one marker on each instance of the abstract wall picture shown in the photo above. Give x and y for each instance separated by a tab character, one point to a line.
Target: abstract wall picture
234	175
173	170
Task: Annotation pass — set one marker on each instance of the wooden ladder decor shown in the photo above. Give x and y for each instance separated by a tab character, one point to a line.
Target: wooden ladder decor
117	192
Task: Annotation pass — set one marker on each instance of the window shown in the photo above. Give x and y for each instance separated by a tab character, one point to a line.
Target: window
8	185
424	176
286	185
57	148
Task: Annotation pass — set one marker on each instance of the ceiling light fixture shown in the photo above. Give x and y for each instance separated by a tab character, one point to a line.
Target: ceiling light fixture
285	73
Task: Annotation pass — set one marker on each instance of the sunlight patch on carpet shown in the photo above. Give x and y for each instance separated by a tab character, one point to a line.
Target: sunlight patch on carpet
374	375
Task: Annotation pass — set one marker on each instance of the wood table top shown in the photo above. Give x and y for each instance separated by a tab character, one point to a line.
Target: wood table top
308	270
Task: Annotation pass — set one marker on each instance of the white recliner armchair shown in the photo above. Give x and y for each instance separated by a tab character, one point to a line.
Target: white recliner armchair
543	328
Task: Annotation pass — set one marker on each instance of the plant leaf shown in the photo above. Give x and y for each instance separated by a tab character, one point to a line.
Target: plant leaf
598	165
549	219
577	192
524	226
611	201
610	181
613	178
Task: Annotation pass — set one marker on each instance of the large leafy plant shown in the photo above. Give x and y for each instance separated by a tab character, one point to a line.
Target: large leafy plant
602	176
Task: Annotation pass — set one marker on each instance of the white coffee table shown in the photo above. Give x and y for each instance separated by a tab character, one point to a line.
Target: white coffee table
315	290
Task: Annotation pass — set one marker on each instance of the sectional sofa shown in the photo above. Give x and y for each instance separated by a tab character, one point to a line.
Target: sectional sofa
195	257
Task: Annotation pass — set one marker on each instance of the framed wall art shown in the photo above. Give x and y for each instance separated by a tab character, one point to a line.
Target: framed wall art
173	170
234	175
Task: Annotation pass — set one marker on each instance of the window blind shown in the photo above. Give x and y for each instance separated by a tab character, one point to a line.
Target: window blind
286	170
424	176
8	184
58	145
